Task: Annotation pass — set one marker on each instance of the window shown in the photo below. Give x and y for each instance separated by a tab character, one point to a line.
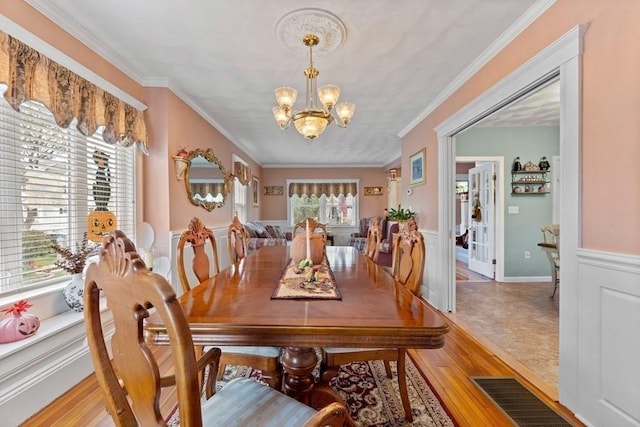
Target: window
51	179
332	203
240	200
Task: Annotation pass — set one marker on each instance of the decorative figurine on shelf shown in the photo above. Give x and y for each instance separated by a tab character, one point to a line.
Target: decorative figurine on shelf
18	325
517	166
544	164
101	221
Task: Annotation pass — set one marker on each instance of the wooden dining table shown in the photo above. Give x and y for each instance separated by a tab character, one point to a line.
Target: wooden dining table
235	307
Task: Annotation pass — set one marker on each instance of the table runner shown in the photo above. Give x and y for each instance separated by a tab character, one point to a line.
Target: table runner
295	283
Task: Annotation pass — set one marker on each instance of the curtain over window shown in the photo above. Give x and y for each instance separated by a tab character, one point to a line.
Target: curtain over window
242	172
322	188
31	76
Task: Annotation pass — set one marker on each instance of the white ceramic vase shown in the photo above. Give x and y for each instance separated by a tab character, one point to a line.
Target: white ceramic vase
74	293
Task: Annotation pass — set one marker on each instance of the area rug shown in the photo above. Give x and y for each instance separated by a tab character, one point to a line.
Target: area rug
372	398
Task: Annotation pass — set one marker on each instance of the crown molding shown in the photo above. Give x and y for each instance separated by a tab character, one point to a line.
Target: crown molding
320	165
500	43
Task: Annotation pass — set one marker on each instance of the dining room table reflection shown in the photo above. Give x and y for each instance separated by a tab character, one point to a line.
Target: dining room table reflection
235	307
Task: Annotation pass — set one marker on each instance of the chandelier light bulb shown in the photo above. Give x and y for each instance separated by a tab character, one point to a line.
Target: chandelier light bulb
328	96
286	97
345	110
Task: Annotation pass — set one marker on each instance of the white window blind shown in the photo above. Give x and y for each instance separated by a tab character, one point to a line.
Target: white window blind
47	180
240	200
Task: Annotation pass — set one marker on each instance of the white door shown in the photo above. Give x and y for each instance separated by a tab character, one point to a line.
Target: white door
482	190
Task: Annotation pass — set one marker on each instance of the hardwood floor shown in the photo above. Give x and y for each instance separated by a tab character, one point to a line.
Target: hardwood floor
447	370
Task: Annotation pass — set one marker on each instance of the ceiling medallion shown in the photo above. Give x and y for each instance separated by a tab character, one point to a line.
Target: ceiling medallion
295	25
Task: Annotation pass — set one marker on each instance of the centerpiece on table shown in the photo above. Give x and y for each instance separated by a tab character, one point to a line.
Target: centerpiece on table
73	262
307	276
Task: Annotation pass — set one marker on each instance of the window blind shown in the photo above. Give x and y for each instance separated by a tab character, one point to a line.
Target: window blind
50	180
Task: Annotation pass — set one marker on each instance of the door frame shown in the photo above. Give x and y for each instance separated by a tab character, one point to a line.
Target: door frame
562	58
498	216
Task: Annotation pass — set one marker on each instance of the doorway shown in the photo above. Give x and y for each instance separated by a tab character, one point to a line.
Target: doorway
561	59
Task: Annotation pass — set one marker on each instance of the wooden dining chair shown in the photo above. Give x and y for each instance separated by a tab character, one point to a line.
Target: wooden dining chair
407	269
131	381
313	226
237	240
265	359
374	239
198	236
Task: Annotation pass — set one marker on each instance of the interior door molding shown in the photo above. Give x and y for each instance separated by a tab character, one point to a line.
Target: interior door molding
563	58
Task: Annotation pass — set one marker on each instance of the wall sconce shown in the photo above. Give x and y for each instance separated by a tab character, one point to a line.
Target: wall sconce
393	174
181	162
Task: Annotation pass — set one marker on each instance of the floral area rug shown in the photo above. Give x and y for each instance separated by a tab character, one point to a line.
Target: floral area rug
372	398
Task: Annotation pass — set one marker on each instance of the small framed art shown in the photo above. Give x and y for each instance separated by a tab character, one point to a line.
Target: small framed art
273	190
373	191
417	163
255	188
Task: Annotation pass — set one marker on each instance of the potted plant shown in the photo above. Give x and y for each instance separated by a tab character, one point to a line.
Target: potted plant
74	263
401	215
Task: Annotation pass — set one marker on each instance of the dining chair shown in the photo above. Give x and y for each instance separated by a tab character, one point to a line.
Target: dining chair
237	239
551	246
374	240
131	381
197	235
407	269
313	226
265	359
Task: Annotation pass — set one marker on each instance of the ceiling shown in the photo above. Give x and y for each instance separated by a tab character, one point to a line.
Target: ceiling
224	59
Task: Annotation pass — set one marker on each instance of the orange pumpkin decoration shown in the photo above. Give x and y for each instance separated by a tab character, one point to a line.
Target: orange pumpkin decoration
99	224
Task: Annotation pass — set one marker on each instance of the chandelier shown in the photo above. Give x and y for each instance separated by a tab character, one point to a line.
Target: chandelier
321	106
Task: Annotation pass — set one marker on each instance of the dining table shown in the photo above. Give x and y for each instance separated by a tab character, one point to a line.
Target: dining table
237	307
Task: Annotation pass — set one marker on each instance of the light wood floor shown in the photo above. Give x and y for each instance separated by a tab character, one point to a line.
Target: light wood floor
447	370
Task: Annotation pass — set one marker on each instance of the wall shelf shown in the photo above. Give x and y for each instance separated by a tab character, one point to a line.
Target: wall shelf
530	182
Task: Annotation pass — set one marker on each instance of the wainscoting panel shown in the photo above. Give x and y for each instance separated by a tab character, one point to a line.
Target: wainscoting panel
434	288
608	338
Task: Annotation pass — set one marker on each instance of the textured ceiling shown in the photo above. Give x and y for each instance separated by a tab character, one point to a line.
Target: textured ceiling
224	59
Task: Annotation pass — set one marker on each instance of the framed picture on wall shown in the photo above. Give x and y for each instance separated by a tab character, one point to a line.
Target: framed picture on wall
462	187
255	191
417	163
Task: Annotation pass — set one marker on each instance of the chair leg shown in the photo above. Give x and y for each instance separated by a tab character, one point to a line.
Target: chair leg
554	281
387	368
402	383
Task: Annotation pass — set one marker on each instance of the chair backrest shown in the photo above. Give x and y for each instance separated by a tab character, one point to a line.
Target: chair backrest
551	234
374	239
313	226
237	240
131	290
198	235
408	257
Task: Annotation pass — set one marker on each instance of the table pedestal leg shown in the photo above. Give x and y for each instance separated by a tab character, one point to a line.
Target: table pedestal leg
298	364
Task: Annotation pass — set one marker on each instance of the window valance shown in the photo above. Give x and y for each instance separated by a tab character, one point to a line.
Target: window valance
320	188
242	172
31	76
204	188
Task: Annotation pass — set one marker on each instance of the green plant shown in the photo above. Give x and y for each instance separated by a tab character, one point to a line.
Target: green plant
401	214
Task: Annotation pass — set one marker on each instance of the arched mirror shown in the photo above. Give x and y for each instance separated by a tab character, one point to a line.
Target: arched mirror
206	180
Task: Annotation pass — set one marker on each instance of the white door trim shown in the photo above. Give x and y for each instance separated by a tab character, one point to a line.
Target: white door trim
563	57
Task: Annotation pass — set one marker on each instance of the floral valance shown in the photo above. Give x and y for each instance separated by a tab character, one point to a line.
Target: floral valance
242	172
31	76
320	188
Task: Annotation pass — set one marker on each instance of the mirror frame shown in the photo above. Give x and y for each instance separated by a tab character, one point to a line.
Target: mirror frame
209	155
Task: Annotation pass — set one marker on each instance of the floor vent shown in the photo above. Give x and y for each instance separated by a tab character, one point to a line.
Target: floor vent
519	403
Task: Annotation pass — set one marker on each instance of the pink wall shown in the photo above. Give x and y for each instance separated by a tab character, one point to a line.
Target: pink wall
610	117
275	207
